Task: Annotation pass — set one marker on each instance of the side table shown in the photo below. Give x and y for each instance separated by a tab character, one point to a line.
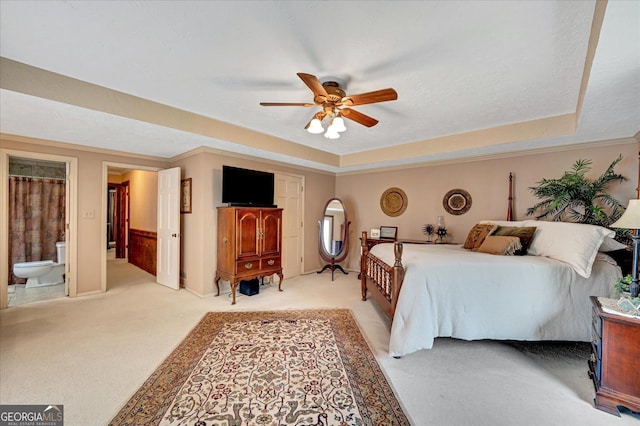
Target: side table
615	357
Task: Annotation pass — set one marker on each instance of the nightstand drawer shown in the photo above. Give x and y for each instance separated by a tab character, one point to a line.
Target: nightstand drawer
597	322
596	344
595	371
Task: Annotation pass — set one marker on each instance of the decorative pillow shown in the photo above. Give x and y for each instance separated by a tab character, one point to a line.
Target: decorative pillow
574	243
504	222
477	234
609	244
502	245
525	233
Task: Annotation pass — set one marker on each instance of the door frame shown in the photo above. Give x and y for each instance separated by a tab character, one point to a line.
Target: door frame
103	212
71	233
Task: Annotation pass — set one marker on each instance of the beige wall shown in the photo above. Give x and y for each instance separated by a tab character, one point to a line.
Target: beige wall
113	178
199	227
89	200
425	186
143	199
486	181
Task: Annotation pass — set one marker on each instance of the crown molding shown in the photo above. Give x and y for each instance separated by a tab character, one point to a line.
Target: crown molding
74	147
496	156
216	151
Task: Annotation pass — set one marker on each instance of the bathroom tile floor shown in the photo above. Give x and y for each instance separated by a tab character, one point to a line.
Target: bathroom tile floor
19	295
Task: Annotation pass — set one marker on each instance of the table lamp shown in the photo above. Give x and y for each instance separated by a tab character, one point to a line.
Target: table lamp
631	220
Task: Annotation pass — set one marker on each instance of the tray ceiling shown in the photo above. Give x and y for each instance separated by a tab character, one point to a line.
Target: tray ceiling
473	78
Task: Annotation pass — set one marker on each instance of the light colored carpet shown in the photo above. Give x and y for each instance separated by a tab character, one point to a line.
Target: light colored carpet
92	353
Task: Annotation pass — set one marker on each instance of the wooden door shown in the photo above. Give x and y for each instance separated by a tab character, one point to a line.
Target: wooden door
247	236
290	196
271	230
122	223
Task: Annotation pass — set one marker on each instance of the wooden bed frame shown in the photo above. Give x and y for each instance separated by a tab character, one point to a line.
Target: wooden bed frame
385	281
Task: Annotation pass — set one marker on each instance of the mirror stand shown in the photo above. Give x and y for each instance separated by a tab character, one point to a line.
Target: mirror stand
333	238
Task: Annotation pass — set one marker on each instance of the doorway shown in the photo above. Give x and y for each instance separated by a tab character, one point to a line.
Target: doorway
129	225
70	226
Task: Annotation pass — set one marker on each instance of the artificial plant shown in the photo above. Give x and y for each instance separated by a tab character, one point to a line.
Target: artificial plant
576	198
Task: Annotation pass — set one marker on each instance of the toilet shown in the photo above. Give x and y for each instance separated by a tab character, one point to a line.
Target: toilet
43	272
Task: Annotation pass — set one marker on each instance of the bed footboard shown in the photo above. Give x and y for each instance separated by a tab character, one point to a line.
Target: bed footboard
382	280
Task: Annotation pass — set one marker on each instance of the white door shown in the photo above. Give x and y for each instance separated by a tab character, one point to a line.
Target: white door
289	196
168	257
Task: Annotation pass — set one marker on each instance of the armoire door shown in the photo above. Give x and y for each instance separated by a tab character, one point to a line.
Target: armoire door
271	229
247	233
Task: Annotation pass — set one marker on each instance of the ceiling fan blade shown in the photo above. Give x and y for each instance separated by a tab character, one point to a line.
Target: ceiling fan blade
286	104
358	117
316	87
370	97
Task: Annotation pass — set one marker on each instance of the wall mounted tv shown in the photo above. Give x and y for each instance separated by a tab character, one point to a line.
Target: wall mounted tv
244	187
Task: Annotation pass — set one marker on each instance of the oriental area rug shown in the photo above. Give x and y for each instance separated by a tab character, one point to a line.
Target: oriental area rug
302	367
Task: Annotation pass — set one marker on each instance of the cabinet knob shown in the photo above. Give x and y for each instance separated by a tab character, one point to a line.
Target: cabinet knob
248	265
271	262
224	240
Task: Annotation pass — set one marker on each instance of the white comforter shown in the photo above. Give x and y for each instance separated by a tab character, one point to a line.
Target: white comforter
449	291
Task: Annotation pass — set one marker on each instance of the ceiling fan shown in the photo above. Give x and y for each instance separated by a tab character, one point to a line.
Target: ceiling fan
336	104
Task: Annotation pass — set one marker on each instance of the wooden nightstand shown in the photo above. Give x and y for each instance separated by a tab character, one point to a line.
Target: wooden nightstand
614	366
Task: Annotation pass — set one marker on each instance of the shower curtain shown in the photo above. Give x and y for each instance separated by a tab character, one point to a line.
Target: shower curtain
36	220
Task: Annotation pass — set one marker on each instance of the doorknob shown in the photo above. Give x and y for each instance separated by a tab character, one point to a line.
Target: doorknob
174	235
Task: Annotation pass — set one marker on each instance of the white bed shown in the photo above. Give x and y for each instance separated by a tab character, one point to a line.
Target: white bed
449	291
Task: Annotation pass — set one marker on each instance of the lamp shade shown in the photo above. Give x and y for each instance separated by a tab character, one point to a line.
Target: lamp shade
338	123
630	219
315	126
331	133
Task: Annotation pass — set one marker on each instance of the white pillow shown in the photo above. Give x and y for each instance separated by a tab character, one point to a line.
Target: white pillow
609	244
574	243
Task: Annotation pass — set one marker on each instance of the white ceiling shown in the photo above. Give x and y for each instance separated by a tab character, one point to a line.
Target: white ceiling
458	67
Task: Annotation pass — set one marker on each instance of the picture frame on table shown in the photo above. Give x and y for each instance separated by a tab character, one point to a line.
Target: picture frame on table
388	232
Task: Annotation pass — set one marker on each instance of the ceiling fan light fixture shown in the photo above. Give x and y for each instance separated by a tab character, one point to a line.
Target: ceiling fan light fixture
335	104
315	127
331	133
338	124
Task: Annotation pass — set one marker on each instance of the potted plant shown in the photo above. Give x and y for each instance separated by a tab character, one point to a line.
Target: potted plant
621	286
576	198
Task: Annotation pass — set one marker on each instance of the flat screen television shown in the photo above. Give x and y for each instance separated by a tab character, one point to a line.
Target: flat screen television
244	187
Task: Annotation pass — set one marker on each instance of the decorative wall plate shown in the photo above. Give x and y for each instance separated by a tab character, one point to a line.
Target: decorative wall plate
457	201
393	202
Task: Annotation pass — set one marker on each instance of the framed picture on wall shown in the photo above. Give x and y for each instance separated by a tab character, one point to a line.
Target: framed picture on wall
185	196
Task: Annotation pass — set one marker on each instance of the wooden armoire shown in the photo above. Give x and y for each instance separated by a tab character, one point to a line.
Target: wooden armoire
249	245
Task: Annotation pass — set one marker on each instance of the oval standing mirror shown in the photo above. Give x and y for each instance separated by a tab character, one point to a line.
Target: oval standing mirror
333	238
